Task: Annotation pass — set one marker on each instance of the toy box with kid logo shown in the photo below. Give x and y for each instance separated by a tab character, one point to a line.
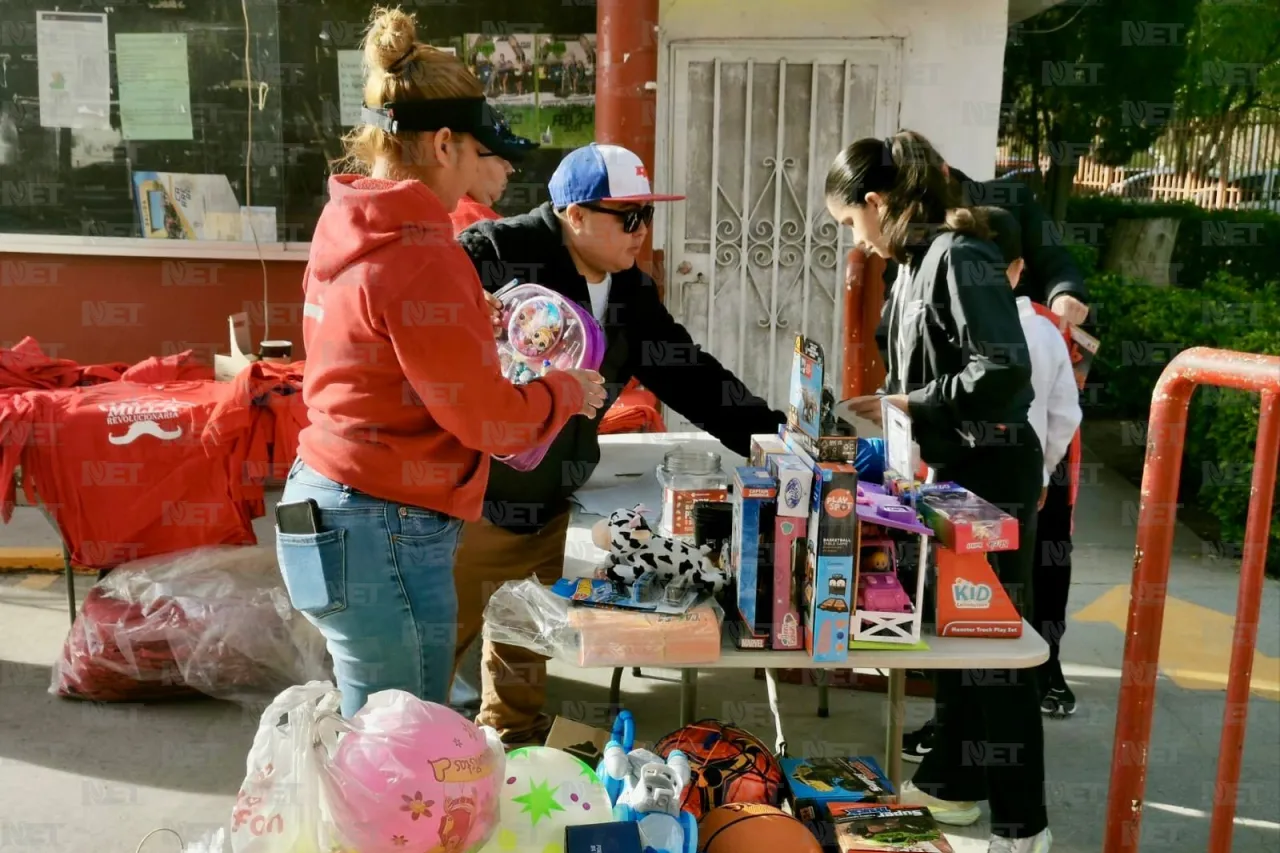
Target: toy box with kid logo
971	601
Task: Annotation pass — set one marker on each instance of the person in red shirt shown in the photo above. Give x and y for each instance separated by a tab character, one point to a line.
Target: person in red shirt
404	395
496	167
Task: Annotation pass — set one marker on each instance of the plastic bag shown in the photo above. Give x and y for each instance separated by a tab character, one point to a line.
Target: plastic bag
214	621
280	808
529	615
541	331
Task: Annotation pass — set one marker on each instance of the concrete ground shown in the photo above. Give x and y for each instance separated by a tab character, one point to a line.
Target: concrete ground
76	776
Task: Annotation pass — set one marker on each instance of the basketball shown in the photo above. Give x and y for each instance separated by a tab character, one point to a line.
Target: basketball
751	827
729	764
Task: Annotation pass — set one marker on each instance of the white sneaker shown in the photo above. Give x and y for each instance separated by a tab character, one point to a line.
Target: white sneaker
950	812
1038	843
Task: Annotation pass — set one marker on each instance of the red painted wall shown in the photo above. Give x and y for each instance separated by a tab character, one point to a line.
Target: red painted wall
98	309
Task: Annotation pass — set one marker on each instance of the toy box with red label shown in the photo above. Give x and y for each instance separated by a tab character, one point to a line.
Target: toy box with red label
964	522
971	602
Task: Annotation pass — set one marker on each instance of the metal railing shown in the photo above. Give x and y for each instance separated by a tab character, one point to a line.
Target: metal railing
1156	518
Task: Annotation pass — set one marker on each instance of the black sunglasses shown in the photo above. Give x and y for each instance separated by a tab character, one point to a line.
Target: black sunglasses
631	219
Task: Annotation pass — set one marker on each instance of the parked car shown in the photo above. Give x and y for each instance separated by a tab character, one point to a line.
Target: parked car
1138	186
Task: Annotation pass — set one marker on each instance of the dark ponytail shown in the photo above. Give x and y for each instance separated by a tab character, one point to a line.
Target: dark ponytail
909	173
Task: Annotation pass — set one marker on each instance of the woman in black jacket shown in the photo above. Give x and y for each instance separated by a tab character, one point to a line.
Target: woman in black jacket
958	364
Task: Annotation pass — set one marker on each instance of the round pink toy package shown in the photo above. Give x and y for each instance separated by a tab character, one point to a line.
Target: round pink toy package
543	331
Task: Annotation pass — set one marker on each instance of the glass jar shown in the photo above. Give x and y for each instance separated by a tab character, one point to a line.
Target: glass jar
688	476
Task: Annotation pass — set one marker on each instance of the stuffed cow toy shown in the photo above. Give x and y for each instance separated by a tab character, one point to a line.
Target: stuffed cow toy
635	549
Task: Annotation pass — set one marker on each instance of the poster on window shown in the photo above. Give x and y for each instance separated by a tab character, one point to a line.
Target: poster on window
544	84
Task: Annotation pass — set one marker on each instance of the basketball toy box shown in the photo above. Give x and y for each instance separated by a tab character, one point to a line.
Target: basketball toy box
859	779
832	546
971	601
964	522
754	508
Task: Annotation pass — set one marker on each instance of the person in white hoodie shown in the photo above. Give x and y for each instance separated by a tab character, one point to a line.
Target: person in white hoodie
1055	416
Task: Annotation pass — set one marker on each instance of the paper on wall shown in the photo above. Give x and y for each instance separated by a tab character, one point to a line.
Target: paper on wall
177	206
72	60
350	86
155	93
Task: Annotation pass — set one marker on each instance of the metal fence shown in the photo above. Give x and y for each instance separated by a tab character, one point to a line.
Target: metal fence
1212	163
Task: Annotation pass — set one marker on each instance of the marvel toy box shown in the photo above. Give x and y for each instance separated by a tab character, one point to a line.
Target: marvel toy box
754	504
832	546
964	522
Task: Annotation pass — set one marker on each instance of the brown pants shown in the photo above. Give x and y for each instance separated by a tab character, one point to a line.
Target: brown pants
513	681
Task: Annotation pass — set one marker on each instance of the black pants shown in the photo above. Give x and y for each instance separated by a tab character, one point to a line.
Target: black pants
989	743
1053	571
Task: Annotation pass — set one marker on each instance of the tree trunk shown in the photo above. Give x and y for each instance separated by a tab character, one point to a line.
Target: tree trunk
1057	188
1143	248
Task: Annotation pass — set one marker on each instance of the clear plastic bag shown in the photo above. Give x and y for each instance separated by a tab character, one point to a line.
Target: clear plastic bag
529	615
214	621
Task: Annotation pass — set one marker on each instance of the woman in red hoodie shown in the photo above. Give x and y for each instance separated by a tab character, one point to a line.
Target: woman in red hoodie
403	390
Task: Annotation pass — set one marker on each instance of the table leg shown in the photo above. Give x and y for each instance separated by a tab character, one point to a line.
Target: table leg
70	575
615	692
824	693
688	695
897	713
771	685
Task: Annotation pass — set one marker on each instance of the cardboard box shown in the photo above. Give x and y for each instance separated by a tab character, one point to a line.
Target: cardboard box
794	477
859	779
578	739
789	556
971	601
612	837
832	542
755	497
966	523
764	446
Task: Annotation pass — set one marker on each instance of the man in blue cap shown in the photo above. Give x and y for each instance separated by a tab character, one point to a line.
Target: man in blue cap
584	245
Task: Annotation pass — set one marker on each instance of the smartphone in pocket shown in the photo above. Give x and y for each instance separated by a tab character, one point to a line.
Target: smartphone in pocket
298	517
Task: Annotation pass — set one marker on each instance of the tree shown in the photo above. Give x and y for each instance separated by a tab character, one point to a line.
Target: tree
1095	77
1233	69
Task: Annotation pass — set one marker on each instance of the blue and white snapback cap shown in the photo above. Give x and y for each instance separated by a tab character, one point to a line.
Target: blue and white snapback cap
599	172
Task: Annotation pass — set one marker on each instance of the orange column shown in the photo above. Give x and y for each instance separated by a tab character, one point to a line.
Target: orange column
626	80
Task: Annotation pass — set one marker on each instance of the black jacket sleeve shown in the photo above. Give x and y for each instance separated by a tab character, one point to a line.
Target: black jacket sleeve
1050	270
479	246
667	362
997	365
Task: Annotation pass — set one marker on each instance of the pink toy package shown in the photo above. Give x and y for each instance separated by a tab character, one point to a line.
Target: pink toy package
543	331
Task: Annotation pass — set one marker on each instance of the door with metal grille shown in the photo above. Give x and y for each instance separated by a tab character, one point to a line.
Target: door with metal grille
753	257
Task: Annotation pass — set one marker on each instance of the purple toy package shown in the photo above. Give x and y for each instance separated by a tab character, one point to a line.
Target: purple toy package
543	331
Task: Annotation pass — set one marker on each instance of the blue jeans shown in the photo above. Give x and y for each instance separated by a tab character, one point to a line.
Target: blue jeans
377	580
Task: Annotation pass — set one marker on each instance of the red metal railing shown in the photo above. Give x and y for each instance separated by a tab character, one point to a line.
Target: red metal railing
1166	434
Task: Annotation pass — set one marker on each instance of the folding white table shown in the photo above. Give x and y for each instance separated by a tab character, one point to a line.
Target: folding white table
626	462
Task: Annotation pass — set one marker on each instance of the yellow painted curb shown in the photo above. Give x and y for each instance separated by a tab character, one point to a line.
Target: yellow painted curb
28	559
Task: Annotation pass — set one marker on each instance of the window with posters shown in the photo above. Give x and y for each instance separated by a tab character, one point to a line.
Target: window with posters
128	123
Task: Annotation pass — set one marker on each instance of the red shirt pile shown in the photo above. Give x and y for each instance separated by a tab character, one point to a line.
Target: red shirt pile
130	470
635	410
277	390
26	366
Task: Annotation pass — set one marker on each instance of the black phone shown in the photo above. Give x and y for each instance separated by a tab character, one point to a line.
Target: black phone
298	517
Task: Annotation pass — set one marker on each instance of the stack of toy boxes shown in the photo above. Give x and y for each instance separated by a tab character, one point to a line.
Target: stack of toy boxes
971	601
755	495
794	477
830	577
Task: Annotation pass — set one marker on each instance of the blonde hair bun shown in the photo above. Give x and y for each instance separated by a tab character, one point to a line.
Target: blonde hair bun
392	34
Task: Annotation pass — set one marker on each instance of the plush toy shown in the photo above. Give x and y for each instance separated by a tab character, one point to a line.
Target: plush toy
635	549
647	790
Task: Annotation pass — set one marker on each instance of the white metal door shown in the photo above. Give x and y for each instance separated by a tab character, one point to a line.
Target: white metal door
752	257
